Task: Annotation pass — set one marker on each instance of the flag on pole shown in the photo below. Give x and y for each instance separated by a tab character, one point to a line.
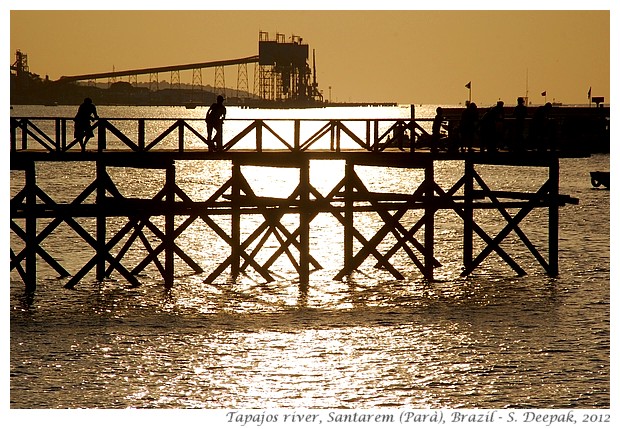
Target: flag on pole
544	93
468	85
590	93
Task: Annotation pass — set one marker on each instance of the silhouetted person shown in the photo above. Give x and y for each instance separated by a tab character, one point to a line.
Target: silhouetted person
487	129
405	141
492	127
398	135
519	114
468	125
83	132
214	119
540	128
499	124
452	139
437	123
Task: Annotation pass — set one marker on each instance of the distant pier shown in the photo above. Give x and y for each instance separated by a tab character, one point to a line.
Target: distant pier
132	143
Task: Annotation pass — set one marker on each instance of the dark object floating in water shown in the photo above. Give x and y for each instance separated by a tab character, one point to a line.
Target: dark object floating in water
599	178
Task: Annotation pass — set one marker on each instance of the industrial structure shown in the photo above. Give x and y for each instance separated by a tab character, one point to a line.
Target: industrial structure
284	71
20	66
282	75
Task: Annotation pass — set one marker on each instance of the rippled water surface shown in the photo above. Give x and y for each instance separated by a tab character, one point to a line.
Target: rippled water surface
489	340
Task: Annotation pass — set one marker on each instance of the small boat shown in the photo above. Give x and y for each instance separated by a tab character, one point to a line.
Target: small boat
191	105
598	178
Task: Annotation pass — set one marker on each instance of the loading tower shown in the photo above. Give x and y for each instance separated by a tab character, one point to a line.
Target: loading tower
284	72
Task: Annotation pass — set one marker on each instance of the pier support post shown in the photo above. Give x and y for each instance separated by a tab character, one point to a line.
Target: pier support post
14	125
57	140
468	230
429	223
182	136
338	133
141	134
235	232
101	220
349	172
412	134
259	136
31	229
305	217
297	135
219	140
554	213
101	135
63	135
375	146
169	225
24	134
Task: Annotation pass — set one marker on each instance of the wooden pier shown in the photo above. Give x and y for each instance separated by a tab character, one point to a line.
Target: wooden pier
35	215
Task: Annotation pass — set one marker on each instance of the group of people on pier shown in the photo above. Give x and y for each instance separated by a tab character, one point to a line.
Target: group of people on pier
491	132
87	112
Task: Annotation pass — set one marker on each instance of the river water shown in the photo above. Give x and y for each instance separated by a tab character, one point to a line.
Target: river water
490	340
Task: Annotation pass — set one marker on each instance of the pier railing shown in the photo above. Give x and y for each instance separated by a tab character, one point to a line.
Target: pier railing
181	134
568	129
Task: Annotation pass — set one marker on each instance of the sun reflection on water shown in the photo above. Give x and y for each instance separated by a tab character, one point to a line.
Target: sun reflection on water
291	369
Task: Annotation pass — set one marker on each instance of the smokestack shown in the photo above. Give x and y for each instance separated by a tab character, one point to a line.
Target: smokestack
313	70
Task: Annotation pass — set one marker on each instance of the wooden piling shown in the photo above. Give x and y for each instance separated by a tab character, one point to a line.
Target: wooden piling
31	229
101	135
468	232
169	225
304	221
182	137
57	127
141	134
348	215
429	220
24	135
101	178
297	135
235	221
63	136
412	134
259	136
554	214
14	125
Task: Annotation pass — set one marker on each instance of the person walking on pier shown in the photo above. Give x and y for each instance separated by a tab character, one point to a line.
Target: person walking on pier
214	119
83	132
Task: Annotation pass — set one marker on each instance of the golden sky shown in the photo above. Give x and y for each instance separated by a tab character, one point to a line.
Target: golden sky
406	56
